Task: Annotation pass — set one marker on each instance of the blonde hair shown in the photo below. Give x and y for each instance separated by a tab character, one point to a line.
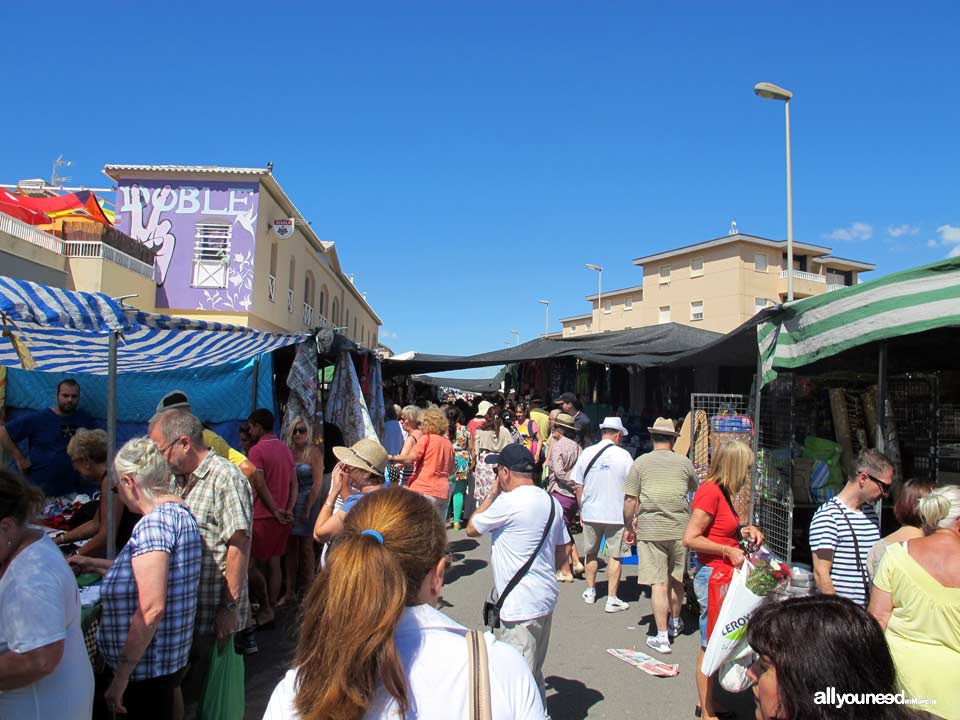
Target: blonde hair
941	508
434	422
142	460
729	466
88	446
358	598
411	413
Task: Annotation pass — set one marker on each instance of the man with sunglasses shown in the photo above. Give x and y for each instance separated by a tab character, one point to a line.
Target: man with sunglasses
845	527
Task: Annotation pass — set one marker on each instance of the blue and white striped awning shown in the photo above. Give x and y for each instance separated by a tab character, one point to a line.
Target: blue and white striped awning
68	332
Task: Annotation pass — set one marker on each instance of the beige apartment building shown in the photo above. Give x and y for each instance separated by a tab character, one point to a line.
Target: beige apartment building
716	285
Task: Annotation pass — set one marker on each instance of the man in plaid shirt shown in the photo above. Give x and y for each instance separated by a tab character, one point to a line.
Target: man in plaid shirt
220	498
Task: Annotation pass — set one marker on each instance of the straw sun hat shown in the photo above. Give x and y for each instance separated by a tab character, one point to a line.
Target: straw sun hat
365	454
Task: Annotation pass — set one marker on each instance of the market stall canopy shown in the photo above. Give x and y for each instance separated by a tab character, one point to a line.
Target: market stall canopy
738	348
68	332
917	307
470	385
642	347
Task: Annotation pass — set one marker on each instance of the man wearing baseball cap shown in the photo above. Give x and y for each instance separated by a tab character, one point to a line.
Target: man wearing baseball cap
656	505
518	512
571	406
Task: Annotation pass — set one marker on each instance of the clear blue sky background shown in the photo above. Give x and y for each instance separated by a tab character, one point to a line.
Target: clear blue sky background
467	158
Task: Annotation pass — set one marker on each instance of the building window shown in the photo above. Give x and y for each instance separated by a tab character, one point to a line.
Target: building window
759	304
696	310
607	307
696	267
335	313
211	255
588	327
760	262
664	274
628	304
272	277
664	314
322	307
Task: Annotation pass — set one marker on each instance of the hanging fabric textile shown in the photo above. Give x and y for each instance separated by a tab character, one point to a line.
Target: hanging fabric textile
304	400
346	407
373	394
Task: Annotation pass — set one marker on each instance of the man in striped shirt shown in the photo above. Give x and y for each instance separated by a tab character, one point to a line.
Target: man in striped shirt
845	527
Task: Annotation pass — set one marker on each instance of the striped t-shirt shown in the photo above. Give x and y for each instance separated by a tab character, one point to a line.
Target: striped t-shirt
829	531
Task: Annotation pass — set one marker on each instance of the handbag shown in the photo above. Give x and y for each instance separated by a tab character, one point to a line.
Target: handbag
493	605
479	665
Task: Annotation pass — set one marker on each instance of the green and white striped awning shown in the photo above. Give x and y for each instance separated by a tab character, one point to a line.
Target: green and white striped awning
905	303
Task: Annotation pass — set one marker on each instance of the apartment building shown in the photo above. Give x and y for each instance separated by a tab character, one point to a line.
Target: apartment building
232	247
716	285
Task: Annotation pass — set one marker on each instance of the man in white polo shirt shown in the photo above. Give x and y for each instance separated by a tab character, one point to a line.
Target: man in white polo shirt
517	512
599	475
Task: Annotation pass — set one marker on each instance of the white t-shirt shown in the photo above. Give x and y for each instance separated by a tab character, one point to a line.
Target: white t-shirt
517	519
433	650
39	605
602	500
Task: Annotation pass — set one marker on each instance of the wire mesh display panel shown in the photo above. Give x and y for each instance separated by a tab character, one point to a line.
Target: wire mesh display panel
710	430
915	404
948	444
772	499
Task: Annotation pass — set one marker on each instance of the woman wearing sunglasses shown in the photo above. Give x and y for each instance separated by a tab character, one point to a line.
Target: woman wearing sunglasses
309	469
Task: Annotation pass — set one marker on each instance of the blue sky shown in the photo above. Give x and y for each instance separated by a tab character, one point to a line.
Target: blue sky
468	158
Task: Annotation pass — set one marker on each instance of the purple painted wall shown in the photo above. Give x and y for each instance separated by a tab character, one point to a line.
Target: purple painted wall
163	214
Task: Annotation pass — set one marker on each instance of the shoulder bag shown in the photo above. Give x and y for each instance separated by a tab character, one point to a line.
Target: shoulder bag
492	607
480	708
864	578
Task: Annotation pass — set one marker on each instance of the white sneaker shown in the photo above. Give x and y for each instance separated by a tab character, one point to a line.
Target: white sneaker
615	604
675	628
661	646
589	596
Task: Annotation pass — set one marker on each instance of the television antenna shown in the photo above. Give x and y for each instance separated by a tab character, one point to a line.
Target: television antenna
55	179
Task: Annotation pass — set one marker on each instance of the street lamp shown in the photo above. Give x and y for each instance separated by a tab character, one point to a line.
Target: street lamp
546	324
775	92
517	333
599	270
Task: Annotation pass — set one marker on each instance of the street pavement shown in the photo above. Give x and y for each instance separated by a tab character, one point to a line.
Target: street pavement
583	680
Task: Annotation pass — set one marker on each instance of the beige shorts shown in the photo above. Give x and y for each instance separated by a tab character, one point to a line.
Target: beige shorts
613	534
656	559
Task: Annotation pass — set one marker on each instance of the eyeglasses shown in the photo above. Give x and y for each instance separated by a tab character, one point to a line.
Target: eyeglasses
884	487
165	450
300	431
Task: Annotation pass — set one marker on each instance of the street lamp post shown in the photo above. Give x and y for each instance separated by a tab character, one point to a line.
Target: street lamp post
775	92
599	270
517	334
546	323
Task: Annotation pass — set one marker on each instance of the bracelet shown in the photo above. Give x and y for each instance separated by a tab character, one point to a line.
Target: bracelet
723	551
330	504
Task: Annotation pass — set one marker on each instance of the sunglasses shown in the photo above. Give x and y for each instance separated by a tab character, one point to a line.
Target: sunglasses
300	431
884	487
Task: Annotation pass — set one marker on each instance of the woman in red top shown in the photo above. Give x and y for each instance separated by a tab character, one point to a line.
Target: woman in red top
432	460
714	533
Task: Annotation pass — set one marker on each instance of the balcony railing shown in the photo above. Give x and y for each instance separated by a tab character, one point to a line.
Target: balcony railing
308	315
800	275
290	300
272	288
90	249
28	233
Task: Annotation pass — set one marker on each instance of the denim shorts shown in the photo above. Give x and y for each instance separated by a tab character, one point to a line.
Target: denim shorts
701	585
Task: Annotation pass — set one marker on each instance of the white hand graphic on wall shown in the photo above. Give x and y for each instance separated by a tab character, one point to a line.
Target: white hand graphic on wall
154	233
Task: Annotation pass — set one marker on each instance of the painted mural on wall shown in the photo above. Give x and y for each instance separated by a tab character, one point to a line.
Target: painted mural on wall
204	233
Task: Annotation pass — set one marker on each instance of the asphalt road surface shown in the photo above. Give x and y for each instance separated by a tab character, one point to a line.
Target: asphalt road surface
583	680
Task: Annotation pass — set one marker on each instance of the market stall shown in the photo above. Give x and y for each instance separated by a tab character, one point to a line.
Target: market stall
872	365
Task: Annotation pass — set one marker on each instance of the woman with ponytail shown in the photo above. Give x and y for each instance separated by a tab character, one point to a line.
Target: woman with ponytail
372	643
916	600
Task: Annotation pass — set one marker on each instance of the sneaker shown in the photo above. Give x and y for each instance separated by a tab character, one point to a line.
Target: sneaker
675	628
615	604
589	596
578	569
245	642
561	577
661	646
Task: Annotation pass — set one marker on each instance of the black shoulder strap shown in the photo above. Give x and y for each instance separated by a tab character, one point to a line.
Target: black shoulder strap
594	459
726	496
526	566
864	578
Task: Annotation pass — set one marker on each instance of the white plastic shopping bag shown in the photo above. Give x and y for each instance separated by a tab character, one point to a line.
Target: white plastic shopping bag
731	625
733	671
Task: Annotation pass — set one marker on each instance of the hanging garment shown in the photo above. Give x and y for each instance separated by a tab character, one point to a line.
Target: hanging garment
346	407
373	394
304	400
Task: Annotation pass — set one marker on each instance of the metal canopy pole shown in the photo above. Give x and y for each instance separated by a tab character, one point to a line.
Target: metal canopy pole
111	440
256	381
882	399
